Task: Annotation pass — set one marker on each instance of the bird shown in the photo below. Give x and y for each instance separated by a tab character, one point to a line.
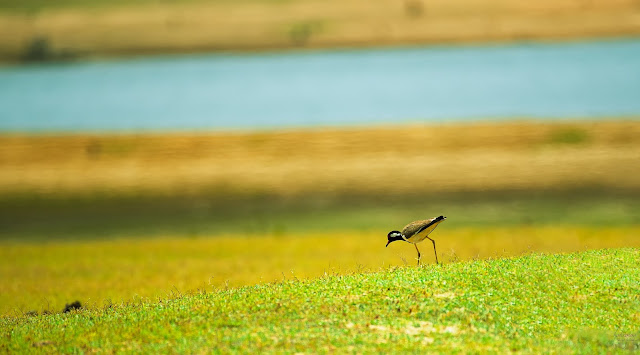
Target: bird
415	232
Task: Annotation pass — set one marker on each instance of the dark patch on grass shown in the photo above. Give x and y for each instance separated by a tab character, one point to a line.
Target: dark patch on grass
300	33
40	49
42	343
72	306
569	136
41	216
413	8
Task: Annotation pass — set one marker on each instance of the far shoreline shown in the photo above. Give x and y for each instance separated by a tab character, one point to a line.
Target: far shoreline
77	31
266	49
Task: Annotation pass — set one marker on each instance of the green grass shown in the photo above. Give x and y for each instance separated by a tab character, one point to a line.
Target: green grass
583	302
42	277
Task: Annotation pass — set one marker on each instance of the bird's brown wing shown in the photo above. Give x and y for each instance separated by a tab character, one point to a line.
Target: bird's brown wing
414	227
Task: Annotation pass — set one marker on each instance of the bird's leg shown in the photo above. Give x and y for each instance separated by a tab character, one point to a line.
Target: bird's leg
434	248
418	254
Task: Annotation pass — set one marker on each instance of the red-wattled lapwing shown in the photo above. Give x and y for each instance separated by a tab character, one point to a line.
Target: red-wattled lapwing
417	231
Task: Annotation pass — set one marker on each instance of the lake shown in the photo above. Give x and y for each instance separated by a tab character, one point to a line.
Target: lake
589	79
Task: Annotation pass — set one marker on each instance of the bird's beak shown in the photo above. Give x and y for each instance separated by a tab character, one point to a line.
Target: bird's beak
387	244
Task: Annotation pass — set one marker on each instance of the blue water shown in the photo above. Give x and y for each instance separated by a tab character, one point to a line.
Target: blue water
595	79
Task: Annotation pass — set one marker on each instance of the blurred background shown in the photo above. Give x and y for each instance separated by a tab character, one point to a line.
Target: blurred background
154	147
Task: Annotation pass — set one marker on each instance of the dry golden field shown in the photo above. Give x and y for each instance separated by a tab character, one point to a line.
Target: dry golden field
396	160
79	29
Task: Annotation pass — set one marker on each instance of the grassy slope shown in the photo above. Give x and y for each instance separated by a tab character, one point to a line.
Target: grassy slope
71	28
585	302
42	276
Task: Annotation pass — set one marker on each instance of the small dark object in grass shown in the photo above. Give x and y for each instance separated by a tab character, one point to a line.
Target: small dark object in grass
38	50
42	343
72	306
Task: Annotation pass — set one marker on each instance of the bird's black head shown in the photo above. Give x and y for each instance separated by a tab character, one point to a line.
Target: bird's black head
393	236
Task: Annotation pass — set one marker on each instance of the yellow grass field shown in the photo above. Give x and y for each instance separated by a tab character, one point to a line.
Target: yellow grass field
80	29
46	276
392	160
